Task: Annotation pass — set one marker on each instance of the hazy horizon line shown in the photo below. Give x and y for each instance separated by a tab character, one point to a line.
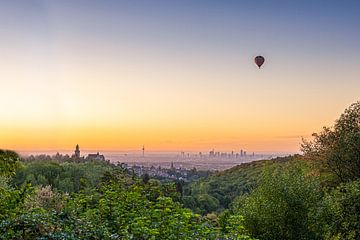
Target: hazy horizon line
37	151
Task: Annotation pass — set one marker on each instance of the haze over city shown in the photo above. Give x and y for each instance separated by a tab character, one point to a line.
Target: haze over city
174	75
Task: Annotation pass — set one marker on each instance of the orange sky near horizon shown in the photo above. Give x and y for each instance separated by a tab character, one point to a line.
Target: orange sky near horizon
263	134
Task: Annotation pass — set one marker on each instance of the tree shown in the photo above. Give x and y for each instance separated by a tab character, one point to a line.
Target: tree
9	162
145	178
338	214
179	187
339	146
280	207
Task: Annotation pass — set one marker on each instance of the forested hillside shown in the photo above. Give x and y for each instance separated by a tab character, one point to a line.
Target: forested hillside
216	192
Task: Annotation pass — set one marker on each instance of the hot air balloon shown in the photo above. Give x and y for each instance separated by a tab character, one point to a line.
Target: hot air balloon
259	60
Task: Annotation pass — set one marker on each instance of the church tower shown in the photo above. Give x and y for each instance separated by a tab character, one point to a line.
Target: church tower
77	151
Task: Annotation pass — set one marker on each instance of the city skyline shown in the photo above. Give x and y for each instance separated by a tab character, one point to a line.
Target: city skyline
174	76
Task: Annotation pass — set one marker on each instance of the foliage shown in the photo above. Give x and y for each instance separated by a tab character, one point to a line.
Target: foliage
127	213
13	200
232	226
9	162
339	147
338	214
47	199
219	190
280	207
120	206
64	176
145	178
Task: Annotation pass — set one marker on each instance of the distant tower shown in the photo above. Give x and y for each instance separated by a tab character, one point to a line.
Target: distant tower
77	151
143	150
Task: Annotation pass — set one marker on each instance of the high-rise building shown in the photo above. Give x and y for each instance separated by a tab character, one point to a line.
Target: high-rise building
211	153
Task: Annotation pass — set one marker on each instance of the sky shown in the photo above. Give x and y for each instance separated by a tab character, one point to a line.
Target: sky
174	75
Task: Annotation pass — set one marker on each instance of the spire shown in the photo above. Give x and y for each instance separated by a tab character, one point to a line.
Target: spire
77	151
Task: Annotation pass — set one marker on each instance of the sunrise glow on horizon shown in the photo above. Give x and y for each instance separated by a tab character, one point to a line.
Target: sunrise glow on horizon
174	75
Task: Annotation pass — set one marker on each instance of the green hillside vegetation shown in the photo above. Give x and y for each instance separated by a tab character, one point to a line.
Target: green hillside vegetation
216	192
98	201
62	176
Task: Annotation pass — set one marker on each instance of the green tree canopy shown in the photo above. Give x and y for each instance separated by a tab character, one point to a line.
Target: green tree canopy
339	146
337	216
9	162
280	207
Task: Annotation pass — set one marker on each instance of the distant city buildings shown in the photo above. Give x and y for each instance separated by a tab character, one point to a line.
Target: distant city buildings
212	153
232	154
174	173
183	155
96	156
91	156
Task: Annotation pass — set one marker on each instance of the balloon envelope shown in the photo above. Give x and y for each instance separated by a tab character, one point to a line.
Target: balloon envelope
259	60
